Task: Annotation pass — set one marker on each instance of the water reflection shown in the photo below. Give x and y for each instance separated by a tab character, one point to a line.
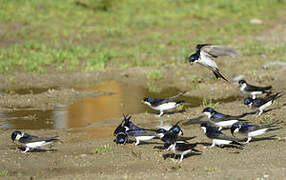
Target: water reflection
126	99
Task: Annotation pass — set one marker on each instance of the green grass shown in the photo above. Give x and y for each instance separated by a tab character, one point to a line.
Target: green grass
3	173
155	75
101	149
98	34
207	103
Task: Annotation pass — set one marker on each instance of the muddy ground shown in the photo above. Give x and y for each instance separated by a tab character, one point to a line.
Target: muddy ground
74	157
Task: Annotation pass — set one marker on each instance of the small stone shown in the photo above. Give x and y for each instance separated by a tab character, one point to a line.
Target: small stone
256	21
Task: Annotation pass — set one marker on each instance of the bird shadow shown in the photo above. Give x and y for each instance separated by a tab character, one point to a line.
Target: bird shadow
38	150
173	112
222	147
196	120
264	138
175	156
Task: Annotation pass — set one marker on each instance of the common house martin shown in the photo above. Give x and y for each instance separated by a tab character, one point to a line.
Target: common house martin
205	53
31	142
251	90
181	148
221	120
217	137
250	130
261	103
163	104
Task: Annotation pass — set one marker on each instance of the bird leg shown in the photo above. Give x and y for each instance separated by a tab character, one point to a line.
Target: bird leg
137	142
213	145
26	150
182	157
248	140
161	113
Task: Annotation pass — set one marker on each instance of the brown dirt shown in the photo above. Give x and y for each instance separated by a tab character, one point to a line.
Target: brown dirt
73	158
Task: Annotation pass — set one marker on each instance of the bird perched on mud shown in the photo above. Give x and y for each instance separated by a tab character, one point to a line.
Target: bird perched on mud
261	103
31	142
251	90
128	130
250	130
163	104
171	143
222	120
176	129
205	53
217	137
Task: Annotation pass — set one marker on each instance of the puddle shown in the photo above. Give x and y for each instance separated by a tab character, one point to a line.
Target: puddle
26	91
126	99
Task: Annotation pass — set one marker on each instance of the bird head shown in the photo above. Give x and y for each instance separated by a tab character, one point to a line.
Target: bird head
147	100
204	126
121	138
242	81
15	134
167	144
248	101
208	111
177	130
235	128
194	57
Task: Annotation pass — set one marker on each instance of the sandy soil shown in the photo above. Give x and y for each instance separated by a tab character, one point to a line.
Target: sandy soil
74	157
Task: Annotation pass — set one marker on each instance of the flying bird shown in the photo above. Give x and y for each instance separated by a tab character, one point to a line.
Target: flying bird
31	142
205	53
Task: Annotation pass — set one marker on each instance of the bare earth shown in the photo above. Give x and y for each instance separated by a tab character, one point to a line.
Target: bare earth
74	158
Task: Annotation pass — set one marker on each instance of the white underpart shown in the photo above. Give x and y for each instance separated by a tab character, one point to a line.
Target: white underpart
225	124
220	142
182	153
204	129
208	114
19	136
253	94
236	130
34	145
206	61
264	106
166	106
257	132
143	138
163	107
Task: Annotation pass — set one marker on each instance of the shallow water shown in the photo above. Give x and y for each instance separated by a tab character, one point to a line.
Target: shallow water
126	98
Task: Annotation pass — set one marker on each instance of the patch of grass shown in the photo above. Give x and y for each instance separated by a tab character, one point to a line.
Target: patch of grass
101	149
207	103
155	75
70	34
195	79
153	88
210	169
3	173
266	119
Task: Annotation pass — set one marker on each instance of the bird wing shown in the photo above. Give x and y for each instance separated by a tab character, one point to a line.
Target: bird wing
166	100
29	139
256	88
215	134
228	117
142	132
181	146
215	51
